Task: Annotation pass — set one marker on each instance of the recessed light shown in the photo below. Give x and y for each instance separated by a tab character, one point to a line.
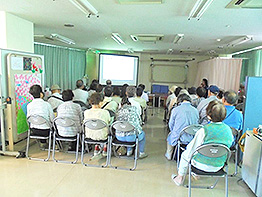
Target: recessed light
69	25
228	26
218	40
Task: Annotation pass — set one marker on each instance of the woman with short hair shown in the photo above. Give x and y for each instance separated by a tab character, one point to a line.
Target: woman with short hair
214	132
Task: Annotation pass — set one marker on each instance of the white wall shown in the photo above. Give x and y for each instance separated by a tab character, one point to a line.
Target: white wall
16	33
145	70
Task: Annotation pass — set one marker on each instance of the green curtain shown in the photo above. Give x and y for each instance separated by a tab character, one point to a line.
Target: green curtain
251	64
63	66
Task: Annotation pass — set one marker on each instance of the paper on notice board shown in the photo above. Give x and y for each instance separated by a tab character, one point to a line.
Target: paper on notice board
17	63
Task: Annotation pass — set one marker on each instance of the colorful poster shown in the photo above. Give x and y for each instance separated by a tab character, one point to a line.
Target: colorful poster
23	82
27	63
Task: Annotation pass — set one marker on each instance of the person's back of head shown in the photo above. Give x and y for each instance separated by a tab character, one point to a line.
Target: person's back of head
80	84
96	98
139	92
67	95
130	91
216	111
36	91
201	92
192	90
55	89
183	91
172	89
99	88
142	86
116	91
108	91
183	97
108	82
93	86
213	90
231	97
123	90
220	94
177	91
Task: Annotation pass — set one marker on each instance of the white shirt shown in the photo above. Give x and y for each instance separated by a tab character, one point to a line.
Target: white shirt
42	108
80	95
55	102
145	96
136	104
111	104
72	111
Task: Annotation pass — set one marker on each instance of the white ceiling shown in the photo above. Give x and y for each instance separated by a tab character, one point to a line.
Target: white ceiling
168	18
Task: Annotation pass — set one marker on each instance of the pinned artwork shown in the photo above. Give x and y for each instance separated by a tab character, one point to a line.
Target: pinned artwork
23	82
27	63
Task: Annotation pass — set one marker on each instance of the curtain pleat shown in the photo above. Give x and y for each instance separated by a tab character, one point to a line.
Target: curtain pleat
63	66
225	73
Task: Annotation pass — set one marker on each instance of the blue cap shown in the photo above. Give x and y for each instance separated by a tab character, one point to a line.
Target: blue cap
213	89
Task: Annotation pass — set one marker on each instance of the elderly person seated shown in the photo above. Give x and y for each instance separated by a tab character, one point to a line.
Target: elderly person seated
215	132
139	99
70	110
201	93
42	108
96	112
129	113
56	98
79	93
108	103
181	116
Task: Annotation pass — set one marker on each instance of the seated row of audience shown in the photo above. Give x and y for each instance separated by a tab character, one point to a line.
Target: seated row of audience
129	110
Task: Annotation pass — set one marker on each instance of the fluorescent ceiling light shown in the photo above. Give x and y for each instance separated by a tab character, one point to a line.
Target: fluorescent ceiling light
178	38
62	39
199	8
116	37
240	41
85	7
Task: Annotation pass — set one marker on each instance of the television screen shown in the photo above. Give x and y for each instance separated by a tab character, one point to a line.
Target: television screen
120	69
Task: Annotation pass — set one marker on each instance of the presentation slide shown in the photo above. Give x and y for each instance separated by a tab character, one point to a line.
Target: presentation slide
120	69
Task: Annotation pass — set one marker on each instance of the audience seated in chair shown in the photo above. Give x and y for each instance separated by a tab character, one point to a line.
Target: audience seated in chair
97	113
144	95
192	93
79	93
72	111
56	98
212	95
201	93
129	113
215	132
130	93
181	116
42	108
116	95
139	99
108	103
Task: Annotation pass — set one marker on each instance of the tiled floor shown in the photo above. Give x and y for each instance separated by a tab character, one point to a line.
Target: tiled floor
21	177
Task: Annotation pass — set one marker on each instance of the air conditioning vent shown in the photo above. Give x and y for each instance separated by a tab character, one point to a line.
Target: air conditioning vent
147	38
248	4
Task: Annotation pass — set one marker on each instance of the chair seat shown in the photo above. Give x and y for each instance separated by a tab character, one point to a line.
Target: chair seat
38	137
221	172
89	140
117	142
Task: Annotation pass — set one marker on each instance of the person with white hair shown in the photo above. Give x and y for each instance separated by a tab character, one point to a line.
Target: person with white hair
56	98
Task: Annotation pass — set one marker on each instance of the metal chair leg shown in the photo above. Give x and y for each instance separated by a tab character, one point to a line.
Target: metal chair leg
189	181
226	182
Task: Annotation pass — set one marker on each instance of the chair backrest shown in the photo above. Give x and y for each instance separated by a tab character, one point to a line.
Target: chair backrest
38	120
191	129
94	124
213	150
122	126
64	122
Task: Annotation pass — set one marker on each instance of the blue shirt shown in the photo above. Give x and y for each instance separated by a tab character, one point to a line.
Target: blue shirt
234	118
181	116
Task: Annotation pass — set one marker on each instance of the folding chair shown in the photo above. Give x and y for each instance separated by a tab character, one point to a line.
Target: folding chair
213	151
235	149
65	122
38	120
95	124
191	130
123	126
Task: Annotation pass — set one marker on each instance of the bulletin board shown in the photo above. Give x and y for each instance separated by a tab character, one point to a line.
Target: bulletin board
24	70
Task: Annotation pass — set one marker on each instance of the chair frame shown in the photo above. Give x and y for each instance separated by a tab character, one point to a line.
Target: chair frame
124	126
65	122
85	141
190	129
35	120
202	150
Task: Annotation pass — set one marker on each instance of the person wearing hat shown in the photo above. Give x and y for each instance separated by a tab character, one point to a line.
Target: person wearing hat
56	98
213	90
